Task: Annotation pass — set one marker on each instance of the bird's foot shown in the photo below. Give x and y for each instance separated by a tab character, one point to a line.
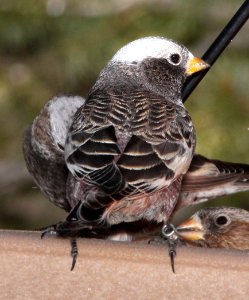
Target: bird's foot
67	229
49	230
170	235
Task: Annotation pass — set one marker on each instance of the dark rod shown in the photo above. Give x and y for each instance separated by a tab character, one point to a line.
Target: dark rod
218	46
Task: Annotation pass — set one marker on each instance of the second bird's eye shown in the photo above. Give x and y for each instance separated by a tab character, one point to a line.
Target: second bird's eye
175	58
221	220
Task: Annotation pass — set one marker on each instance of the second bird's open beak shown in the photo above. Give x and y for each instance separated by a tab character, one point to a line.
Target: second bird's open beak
191	229
195	64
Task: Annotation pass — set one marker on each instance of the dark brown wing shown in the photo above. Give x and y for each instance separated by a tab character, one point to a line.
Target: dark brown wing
210	178
128	144
204	172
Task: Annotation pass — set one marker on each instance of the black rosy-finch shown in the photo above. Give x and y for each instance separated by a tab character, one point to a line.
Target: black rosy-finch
217	227
132	141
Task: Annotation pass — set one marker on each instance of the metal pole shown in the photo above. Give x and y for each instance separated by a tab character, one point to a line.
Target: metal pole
218	46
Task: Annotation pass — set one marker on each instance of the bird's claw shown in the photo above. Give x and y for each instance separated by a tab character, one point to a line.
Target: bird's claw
172	254
51	230
170	234
74	252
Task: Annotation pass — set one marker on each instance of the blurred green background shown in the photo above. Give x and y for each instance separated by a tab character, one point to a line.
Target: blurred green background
56	46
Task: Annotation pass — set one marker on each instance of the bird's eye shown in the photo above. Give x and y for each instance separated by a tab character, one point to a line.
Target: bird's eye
175	58
221	220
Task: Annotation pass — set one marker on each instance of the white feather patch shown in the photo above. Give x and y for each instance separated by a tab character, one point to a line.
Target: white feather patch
140	49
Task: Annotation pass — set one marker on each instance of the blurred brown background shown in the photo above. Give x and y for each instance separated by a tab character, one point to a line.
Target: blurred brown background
59	46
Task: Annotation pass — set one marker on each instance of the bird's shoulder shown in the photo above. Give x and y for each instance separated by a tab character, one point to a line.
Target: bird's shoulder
135	110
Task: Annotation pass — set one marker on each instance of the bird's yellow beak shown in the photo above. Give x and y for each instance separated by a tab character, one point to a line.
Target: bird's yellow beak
191	229
195	64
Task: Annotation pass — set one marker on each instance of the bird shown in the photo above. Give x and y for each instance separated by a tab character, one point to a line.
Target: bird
217	227
132	141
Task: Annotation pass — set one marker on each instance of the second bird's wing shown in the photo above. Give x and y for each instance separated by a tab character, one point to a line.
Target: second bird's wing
210	178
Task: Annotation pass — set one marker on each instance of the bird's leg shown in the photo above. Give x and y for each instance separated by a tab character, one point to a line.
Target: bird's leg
73	228
74	252
170	234
65	229
70	230
55	230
